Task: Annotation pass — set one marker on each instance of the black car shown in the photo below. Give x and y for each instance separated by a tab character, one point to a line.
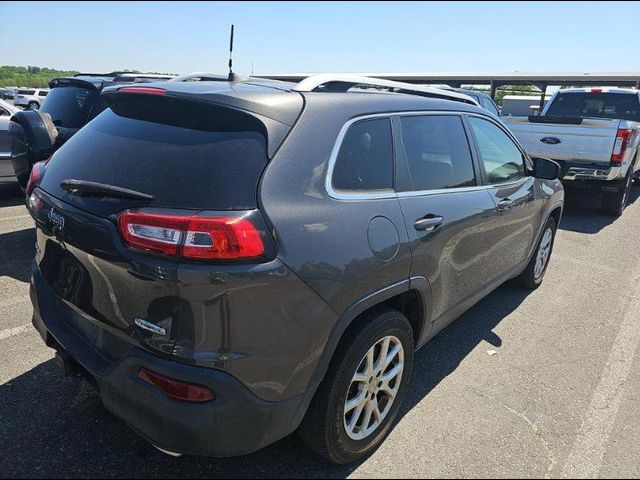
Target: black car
229	262
69	105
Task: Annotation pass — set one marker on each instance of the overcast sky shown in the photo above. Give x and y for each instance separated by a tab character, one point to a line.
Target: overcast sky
287	37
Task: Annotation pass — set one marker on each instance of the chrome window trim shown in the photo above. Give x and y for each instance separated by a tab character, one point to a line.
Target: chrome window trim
353	194
358	195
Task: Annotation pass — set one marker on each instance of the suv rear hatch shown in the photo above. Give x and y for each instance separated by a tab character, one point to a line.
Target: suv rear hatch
71	102
103	251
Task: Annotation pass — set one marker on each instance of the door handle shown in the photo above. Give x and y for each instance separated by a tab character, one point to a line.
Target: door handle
505	205
428	224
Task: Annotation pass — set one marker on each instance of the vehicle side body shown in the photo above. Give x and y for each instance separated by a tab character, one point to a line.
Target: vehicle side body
261	334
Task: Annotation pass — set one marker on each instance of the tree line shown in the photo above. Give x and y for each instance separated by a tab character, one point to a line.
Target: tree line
30	76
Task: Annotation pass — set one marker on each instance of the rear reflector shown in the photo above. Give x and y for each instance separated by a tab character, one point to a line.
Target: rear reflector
620	146
37	172
188	392
191	236
143	90
596	90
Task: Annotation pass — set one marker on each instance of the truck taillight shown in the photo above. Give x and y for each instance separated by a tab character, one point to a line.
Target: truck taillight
620	146
191	236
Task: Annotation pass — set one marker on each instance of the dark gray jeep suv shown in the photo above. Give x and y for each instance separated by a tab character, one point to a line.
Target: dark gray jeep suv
229	262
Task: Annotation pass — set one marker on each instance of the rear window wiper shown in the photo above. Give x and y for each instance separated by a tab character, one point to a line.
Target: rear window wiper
86	188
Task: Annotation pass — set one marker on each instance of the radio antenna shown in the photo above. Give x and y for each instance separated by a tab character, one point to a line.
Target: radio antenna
233	77
231	54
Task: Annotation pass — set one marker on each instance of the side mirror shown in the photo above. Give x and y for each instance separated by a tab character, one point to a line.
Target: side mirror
546	169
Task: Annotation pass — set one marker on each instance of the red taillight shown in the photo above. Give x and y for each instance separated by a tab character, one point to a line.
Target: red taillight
143	90
596	90
620	146
188	392
191	236
35	176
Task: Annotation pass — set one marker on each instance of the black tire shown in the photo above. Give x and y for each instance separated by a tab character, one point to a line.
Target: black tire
528	278
614	203
33	106
323	427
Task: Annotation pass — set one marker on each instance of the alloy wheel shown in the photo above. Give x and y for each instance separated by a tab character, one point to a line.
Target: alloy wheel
373	388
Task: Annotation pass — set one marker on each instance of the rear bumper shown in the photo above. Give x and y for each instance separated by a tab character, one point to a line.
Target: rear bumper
573	172
235	423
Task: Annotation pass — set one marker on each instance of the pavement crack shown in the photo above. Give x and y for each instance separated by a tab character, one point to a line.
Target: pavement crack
535	428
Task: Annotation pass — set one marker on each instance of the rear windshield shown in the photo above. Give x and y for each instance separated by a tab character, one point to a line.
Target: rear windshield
187	155
69	106
26	92
625	106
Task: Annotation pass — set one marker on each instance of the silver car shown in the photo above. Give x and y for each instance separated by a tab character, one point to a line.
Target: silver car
7	175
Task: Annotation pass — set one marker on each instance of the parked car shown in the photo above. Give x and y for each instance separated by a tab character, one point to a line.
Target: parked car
8	93
228	270
481	98
484	100
594	133
7	174
30	98
70	104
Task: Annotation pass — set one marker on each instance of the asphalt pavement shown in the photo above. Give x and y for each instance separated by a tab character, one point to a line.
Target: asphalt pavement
522	385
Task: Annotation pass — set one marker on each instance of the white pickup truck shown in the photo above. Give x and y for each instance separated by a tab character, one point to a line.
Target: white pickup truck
594	134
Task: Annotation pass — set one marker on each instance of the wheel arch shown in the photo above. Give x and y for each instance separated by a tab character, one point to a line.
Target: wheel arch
411	297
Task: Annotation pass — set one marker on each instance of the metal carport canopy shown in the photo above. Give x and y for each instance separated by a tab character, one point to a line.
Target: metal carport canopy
540	80
620	79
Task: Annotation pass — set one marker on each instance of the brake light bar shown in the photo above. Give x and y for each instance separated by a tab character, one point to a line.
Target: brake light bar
597	90
143	90
191	236
623	138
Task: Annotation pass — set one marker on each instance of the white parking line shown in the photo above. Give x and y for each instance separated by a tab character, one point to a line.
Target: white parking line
15	217
587	454
10	332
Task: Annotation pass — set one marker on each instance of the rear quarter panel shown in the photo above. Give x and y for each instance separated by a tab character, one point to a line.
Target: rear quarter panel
324	240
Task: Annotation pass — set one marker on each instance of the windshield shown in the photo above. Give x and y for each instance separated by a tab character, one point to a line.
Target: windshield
69	106
624	106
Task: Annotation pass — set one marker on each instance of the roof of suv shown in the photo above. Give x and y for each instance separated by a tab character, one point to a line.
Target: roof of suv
281	102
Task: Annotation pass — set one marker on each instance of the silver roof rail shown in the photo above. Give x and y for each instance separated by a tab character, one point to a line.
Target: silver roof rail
206	76
342	82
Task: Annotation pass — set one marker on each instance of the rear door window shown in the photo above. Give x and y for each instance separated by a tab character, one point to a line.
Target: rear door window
26	92
187	155
365	159
436	152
